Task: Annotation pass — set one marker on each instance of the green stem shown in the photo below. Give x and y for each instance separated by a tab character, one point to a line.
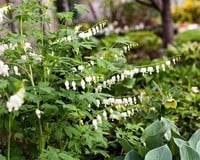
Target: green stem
9	136
41	142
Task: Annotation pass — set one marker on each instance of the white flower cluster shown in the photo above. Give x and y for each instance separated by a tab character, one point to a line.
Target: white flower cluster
16	101
4	10
87	80
83	35
31	53
116	115
125	101
96	122
81	68
92	31
4	69
195	89
127	47
130	73
3	47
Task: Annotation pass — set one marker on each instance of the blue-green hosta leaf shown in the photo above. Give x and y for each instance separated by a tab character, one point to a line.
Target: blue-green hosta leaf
153	134
198	147
194	139
132	155
187	153
169	126
161	153
118	158
179	142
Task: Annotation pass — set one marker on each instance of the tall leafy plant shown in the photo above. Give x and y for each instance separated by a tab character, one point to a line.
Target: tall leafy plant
57	99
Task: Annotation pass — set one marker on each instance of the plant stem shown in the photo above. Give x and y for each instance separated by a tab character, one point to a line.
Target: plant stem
21	26
41	142
9	136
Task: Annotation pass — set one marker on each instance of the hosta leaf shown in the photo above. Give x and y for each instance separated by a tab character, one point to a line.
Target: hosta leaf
187	153
153	134
132	155
161	153
118	158
169	126
179	142
194	139
198	147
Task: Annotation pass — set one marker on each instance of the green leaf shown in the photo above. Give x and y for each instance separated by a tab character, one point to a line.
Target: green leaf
194	139
44	86
198	147
68	16
118	158
71	107
161	153
3	83
2	157
179	142
64	156
81	9
169	126
129	83
125	145
49	110
187	153
132	155
153	135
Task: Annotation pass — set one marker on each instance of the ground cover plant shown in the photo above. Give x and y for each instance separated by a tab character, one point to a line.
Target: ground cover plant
64	97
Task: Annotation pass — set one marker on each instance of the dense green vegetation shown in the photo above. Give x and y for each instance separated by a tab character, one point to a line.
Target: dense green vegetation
69	95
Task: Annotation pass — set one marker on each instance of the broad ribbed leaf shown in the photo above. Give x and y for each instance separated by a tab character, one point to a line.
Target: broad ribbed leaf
132	155
179	142
118	158
194	139
198	147
187	153
153	134
161	153
169	126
